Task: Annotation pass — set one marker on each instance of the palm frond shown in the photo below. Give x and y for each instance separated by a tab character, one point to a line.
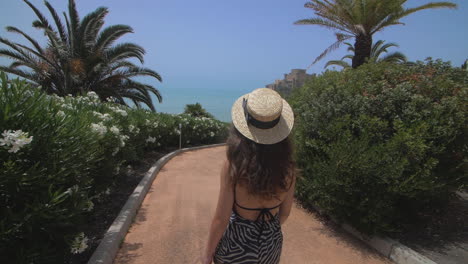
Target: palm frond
350	46
144	89
110	34
25	53
31	40
19	56
58	22
74	23
376	47
90	26
27	75
396	57
70	35
138	71
124	51
340	63
121	64
390	20
410	11
340	39
349	56
44	22
383	48
321	22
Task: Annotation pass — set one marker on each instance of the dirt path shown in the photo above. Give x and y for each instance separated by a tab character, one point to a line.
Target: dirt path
172	224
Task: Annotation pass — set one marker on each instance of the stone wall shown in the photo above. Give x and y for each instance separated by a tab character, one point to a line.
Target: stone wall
292	80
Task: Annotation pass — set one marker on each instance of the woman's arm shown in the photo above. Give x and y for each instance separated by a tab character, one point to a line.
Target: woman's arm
222	214
285	207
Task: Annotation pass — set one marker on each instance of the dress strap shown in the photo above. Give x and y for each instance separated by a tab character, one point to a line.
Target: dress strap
262	217
253	209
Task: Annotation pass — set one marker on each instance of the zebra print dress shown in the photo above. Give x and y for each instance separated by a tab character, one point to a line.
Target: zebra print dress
251	242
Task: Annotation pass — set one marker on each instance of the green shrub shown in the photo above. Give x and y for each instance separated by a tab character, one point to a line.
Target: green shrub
378	143
43	185
196	110
59	154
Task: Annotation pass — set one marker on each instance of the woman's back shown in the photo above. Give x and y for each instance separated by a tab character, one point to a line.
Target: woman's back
246	200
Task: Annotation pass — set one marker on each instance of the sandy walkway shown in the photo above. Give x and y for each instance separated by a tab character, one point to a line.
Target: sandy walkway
173	222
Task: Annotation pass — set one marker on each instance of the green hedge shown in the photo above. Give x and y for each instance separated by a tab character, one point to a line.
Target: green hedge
378	143
58	155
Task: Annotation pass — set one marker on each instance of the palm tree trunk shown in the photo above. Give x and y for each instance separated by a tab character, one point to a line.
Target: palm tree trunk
362	49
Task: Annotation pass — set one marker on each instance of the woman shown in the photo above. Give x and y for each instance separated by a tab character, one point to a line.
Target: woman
257	183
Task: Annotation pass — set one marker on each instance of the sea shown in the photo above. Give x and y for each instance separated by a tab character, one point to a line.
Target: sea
218	102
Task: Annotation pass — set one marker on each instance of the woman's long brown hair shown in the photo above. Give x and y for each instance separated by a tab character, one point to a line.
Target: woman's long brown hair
265	170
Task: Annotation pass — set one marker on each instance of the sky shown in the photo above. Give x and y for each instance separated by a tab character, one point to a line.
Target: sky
213	51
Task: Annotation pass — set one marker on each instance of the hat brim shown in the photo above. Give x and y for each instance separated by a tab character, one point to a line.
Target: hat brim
258	135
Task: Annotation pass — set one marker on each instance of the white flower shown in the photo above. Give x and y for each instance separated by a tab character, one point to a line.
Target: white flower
68	106
100	128
151	139
104	117
131	127
177	131
122	112
92	95
115	130
61	113
81	99
58	98
123	138
212	134
16	140
73	189
107	192
116	150
79	244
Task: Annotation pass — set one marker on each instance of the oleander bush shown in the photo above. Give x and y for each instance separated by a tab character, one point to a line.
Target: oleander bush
58	155
378	143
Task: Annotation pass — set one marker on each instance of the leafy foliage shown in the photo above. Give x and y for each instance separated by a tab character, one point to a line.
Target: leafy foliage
78	146
80	56
377	49
196	110
360	19
379	142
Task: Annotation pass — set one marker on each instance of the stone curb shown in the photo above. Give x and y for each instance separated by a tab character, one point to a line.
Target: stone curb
110	244
392	249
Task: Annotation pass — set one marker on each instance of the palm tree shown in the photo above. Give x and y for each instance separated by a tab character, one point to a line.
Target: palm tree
360	19
377	49
80	56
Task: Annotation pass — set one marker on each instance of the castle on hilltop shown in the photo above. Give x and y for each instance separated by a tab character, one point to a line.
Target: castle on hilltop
292	80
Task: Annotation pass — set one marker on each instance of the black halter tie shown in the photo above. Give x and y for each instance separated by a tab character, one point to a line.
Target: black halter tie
263	217
257	123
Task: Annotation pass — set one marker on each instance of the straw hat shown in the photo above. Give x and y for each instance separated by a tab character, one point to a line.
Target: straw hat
263	116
